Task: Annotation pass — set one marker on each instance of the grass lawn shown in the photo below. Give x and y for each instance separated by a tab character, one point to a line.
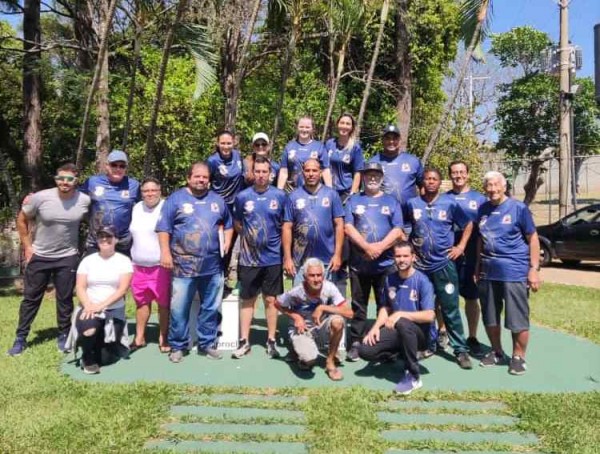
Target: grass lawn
44	411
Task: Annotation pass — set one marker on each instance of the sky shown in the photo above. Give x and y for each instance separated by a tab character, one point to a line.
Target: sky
544	15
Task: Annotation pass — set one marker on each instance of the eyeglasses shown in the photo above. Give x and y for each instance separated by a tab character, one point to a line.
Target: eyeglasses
67	178
115	165
261	144
149	190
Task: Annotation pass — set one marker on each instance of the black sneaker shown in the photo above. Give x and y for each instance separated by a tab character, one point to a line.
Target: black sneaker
474	346
272	351
352	354
492	359
464	361
517	366
210	353
61	343
18	347
442	341
243	349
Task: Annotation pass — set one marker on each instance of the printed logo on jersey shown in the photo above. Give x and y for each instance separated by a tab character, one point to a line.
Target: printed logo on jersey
249	206
125	194
405	167
473	204
314	155
414	296
223	170
507	219
442	215
385	209
214	207
239	164
325	202
449	288
417	213
483	221
300	204
360	209
99	191
187	208
392	293
346	159
292	154
273	205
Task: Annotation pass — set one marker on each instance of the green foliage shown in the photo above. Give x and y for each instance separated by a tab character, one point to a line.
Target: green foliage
521	46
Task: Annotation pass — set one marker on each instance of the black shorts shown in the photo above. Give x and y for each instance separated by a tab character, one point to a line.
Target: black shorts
254	280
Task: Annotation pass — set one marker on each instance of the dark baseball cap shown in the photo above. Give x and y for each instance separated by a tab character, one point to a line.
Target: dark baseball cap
372	166
106	230
391	129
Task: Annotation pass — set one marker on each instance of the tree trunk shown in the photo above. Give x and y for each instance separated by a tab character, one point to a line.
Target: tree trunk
404	69
32	103
8	149
534	181
103	49
149	158
459	81
83	29
335	85
137	49
365	98
102	99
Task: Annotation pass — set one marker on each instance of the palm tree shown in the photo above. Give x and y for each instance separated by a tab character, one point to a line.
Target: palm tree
475	17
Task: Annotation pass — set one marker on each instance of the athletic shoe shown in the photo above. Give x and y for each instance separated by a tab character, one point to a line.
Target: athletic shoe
492	359
408	384
61	343
176	356
272	351
18	347
243	349
210	353
91	369
352	354
442	340
474	346
517	366
464	361
424	354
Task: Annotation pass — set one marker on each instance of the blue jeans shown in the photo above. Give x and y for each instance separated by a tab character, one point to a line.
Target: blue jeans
210	291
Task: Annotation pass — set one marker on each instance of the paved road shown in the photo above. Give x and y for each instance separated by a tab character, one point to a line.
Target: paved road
586	275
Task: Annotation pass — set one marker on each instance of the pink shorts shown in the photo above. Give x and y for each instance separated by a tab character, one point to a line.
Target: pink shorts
151	283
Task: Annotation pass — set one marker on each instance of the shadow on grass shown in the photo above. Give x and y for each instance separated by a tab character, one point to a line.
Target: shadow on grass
43	335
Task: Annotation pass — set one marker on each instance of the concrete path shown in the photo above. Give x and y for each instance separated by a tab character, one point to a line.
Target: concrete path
586	275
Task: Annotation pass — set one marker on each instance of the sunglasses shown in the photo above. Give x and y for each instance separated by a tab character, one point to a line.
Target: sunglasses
260	144
115	165
67	178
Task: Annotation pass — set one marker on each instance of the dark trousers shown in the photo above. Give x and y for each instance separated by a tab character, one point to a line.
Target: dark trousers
360	289
91	345
38	273
407	338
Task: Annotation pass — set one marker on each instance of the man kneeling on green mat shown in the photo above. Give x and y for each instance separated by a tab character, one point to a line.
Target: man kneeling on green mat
317	311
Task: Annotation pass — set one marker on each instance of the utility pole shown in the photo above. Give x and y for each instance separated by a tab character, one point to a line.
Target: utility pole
565	110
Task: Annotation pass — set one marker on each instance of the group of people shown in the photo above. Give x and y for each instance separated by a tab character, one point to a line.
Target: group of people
322	216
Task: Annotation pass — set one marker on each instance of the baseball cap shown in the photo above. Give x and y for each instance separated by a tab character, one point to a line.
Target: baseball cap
117	155
260	135
106	230
373	166
391	129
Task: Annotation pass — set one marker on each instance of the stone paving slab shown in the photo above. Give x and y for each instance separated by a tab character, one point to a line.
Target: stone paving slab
249	397
427	451
510	438
437	419
228	446
234	413
445	404
224	428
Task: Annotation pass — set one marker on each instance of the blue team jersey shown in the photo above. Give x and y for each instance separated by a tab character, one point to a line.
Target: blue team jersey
344	164
374	218
261	216
111	203
226	175
503	229
275	166
400	175
313	217
433	230
193	224
412	294
469	201
296	154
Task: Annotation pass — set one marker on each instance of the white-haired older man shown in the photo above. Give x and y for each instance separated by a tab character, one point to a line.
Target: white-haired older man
317	311
507	267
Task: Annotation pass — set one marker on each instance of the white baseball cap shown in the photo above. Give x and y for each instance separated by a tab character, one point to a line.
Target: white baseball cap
260	135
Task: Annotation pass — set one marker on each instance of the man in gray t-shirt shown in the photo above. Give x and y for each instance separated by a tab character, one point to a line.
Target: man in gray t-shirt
317	311
56	214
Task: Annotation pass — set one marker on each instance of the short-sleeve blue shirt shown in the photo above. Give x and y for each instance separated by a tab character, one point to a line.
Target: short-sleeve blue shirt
193	225
313	217
261	216
374	218
412	294
504	229
296	154
433	230
401	175
344	164
226	175
111	203
469	201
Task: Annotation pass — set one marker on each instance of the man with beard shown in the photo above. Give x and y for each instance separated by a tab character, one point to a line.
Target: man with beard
373	224
403	323
188	233
56	213
113	195
258	213
314	227
433	217
317	312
